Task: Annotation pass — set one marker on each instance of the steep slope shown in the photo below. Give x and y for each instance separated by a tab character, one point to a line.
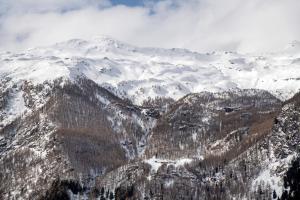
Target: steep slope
212	123
73	135
81	137
252	168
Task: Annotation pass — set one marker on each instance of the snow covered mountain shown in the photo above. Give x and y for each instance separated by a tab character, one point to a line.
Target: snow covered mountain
102	119
142	73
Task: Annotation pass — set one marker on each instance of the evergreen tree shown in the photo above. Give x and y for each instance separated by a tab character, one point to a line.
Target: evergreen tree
111	196
292	182
274	194
107	194
102	194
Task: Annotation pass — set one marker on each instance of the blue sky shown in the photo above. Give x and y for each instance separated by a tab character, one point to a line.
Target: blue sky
132	3
199	25
128	2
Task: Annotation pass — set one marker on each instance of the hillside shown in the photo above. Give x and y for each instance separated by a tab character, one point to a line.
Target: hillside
102	119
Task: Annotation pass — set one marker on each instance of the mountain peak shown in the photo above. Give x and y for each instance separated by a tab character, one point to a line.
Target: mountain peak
96	45
103	39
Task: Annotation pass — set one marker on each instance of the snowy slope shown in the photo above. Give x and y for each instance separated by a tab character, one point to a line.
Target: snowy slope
139	73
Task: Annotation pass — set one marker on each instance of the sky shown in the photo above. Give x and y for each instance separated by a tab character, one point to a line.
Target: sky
128	2
199	25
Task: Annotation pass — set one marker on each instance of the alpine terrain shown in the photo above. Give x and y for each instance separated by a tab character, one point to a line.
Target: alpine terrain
103	119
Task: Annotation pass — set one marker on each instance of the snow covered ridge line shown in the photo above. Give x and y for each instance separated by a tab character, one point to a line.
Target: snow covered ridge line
139	73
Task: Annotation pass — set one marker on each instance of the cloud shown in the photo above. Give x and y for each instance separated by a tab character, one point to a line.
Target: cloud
201	25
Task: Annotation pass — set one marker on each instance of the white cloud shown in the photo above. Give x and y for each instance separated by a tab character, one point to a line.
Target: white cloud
202	25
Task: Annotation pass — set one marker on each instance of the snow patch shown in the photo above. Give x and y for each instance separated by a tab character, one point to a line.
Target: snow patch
103	100
156	163
266	177
15	107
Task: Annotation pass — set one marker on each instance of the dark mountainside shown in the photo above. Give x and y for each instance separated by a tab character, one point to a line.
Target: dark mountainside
80	141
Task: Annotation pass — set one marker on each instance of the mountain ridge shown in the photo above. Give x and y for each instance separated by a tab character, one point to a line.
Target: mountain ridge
141	73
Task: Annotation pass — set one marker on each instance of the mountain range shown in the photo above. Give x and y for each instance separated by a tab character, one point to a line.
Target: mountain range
102	119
